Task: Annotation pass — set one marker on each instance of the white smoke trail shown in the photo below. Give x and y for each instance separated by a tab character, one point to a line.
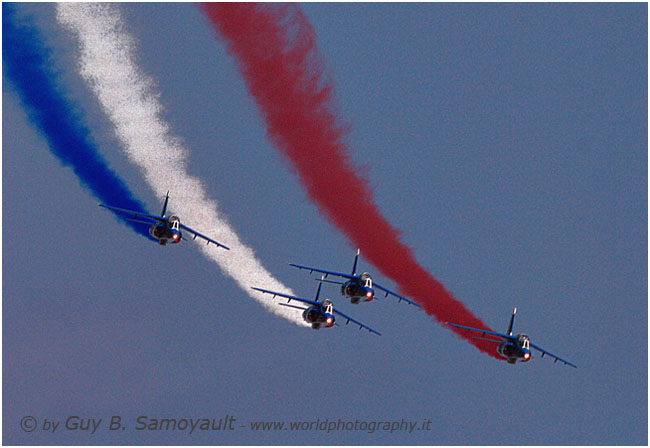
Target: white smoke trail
129	99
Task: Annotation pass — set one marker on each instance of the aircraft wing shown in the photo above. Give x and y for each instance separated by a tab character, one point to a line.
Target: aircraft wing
266	291
349	319
209	240
484	332
544	352
388	291
339	274
133	215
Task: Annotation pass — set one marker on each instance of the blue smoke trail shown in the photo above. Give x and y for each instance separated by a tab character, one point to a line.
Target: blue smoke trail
26	64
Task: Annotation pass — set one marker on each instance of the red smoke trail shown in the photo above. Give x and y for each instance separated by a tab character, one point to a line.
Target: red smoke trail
275	49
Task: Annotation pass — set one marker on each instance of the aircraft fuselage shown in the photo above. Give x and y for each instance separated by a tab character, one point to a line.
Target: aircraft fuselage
167	231
359	289
317	316
515	350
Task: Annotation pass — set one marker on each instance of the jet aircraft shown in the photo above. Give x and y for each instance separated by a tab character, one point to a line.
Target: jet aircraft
513	348
357	287
317	313
164	229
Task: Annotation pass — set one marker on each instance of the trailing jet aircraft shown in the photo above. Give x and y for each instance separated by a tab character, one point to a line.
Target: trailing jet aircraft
513	348
317	313
357	287
165	230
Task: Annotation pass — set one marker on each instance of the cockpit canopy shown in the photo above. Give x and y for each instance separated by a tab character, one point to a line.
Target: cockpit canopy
175	222
366	280
523	341
328	306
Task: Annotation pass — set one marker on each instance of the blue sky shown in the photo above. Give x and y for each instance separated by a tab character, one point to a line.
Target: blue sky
507	142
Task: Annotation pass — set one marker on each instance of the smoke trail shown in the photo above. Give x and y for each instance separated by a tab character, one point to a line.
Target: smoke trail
275	50
128	97
27	65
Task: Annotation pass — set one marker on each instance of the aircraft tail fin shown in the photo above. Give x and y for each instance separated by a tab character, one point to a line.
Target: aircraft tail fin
165	205
512	320
318	290
354	266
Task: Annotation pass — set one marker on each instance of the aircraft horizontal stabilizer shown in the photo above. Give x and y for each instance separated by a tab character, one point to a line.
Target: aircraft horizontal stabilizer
293	306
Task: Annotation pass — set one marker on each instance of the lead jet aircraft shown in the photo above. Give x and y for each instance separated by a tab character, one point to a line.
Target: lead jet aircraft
165	230
317	313
357	287
513	348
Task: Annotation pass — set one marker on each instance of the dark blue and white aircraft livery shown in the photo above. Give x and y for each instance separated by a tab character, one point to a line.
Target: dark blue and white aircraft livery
317	313
513	348
165	230
358	288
